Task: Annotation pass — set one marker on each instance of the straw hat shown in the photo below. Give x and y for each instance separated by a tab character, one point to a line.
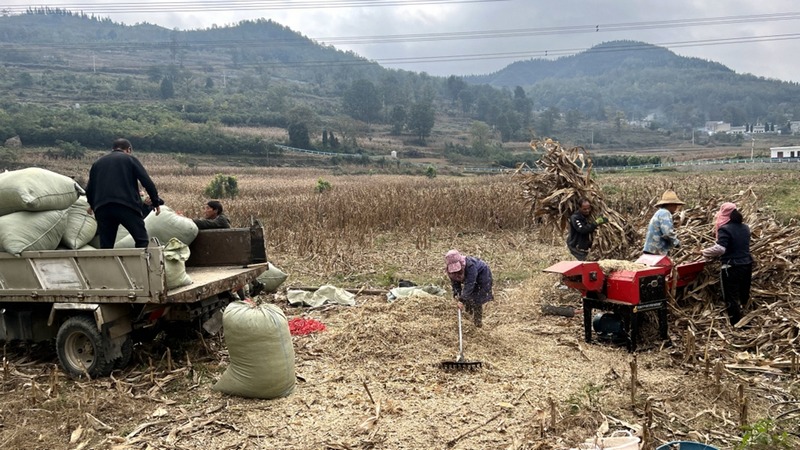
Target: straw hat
669	198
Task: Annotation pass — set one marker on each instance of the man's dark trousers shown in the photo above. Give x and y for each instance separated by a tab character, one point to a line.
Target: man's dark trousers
111	216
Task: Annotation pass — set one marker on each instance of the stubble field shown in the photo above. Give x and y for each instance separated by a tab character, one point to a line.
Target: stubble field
372	379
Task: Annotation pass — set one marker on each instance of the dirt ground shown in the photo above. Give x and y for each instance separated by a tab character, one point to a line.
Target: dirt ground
372	380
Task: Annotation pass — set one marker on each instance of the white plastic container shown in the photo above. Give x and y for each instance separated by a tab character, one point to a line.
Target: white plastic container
619	440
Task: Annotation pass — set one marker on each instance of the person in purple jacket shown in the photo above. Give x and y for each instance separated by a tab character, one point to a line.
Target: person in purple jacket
471	280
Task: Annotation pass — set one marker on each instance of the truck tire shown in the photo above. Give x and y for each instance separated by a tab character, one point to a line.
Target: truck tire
82	349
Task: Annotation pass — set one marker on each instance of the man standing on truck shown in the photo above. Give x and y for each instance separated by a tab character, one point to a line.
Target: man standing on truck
113	194
212	217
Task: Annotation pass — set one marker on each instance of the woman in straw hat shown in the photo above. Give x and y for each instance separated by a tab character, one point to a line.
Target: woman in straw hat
661	236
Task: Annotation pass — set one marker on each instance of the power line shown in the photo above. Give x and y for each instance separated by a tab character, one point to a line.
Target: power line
549	31
229	5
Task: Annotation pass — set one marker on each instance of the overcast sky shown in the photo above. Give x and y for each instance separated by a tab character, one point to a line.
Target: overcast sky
462	37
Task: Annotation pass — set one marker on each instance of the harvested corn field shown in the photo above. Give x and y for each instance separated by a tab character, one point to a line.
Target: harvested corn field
372	379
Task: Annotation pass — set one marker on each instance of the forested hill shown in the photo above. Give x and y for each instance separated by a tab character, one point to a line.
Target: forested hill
71	77
641	79
60	37
603	60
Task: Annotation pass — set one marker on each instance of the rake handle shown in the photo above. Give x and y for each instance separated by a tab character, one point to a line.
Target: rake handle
460	339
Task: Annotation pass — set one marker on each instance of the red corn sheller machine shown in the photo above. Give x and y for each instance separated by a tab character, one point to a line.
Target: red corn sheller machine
627	292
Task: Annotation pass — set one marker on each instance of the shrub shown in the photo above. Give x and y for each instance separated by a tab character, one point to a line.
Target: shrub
322	186
222	186
763	435
430	172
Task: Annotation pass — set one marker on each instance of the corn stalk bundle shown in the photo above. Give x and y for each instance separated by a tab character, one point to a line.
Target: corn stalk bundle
772	318
554	192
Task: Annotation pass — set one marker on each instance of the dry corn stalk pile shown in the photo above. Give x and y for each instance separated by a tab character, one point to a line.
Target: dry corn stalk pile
554	193
773	315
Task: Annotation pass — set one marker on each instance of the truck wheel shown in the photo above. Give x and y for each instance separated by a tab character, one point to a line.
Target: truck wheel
82	349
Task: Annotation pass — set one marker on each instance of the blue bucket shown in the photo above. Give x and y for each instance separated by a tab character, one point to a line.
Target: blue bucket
685	445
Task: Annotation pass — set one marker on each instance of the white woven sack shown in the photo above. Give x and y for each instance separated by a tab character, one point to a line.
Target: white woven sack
175	255
261	352
272	278
81	226
35	189
25	230
165	226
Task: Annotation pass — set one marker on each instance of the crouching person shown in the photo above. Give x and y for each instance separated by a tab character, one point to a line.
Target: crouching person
471	280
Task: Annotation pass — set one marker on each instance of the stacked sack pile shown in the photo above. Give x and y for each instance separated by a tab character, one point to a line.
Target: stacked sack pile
44	210
41	210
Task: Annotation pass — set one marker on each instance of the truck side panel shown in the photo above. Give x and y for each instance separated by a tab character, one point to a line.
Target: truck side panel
93	276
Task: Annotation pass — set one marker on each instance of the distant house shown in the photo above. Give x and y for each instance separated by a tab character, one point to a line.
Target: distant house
785	152
737	130
717	127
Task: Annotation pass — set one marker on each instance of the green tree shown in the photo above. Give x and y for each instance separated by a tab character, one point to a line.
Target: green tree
124	84
547	121
362	101
421	119
522	105
480	135
298	135
454	87
398	119
167	88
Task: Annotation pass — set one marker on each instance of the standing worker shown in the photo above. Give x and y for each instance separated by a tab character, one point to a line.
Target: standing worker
736	263
661	237
471	280
212	217
581	230
113	194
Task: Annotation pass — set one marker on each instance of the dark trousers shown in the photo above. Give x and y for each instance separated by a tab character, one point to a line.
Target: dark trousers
476	311
580	255
735	281
111	216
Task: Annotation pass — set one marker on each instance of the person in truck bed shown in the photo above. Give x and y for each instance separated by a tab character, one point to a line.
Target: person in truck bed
471	280
113	194
212	217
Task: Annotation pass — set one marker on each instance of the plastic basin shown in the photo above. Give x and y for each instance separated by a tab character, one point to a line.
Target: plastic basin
685	445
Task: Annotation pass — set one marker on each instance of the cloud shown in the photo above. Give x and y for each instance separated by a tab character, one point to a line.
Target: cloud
548	26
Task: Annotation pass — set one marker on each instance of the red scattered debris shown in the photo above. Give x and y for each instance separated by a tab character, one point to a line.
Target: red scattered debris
300	326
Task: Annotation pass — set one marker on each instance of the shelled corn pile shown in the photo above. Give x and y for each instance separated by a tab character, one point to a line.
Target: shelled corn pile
771	326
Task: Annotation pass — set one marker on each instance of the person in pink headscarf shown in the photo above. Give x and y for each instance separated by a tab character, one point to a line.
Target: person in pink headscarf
732	247
471	280
723	216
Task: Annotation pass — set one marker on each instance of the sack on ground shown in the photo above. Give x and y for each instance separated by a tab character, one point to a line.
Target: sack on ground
36	189
25	230
175	255
261	352
165	226
81	227
272	278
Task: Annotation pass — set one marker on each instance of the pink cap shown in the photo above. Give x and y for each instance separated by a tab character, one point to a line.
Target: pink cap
455	261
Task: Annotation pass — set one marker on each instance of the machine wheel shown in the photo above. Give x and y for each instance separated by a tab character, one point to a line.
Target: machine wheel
82	349
127	354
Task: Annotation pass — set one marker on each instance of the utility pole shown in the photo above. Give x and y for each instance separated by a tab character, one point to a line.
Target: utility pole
752	147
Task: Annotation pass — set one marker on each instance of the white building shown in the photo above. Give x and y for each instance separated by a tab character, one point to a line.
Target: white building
785	152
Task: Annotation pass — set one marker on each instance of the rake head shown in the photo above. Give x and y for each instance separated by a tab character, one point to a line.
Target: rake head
461	365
